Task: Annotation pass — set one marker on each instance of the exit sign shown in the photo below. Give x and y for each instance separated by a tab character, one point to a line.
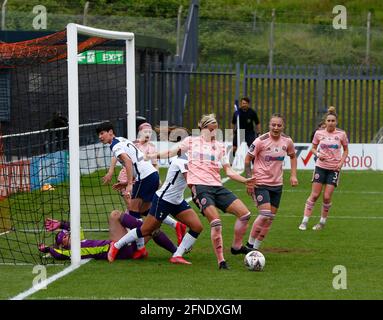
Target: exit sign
101	57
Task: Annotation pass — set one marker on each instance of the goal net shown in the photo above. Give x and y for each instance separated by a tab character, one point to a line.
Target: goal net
55	91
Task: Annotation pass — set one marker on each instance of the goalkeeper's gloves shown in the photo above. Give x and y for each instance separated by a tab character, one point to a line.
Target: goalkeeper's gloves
43	248
51	224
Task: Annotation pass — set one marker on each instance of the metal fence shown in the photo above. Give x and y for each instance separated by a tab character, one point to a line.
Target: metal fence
181	94
303	94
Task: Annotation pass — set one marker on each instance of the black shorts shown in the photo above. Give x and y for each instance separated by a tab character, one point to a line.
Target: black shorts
218	196
268	194
325	176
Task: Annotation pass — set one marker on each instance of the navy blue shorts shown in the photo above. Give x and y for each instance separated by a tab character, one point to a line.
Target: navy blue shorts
160	208
146	188
325	176
268	194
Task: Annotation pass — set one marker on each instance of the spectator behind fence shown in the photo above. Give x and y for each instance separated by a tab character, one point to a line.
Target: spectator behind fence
247	118
57	139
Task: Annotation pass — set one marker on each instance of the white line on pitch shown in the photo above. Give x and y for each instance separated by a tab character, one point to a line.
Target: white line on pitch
336	217
308	191
29	264
281	215
43	284
340	191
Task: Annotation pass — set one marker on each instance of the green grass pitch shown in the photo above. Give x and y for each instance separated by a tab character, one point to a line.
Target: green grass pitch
299	265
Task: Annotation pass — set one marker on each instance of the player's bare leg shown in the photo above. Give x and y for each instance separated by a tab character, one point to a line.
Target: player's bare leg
119	225
135	207
116	230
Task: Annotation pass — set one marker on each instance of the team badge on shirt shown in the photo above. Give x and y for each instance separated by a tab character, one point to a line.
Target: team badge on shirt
259	198
203	201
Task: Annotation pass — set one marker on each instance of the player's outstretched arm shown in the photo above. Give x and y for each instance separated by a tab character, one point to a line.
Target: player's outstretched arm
58	254
163	154
248	160
237	177
248	173
43	248
52	224
108	177
128	165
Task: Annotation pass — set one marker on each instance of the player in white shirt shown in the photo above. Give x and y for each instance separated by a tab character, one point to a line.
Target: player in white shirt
136	168
167	200
120	144
142	179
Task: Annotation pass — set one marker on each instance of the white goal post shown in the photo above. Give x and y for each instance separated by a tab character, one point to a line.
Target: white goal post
73	114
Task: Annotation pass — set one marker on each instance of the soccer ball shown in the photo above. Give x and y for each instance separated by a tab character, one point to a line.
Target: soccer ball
255	261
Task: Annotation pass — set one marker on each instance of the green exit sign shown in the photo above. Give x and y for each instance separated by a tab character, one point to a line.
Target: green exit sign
101	57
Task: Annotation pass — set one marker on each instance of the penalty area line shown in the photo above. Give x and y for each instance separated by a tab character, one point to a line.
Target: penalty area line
282	215
43	284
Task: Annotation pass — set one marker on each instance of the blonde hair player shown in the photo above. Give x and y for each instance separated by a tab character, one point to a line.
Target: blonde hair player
326	146
269	151
206	156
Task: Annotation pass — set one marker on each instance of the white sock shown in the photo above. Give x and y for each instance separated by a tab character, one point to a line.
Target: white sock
128	238
305	219
322	220
257	244
170	221
251	240
140	242
187	242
